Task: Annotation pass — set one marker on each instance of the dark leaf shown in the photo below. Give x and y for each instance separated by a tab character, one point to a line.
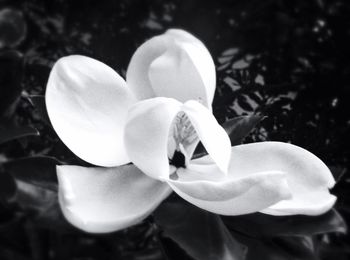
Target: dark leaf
171	250
53	214
201	234
200	151
13	235
261	225
239	127
338	172
11	73
283	248
39	171
245	104
42	207
10	254
12	27
7	186
256	98
11	132
38	102
33	198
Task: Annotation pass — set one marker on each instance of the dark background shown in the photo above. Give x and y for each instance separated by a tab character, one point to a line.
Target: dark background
287	60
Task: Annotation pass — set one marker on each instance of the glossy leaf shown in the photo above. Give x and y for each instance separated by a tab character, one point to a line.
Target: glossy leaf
202	235
39	171
261	225
11	73
8	133
239	127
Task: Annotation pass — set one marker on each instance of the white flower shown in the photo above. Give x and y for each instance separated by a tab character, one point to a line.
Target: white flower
155	120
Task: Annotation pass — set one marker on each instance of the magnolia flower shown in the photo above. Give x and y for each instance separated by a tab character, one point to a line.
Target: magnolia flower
155	119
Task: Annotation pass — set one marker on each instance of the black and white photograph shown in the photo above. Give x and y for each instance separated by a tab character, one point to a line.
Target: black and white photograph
174	130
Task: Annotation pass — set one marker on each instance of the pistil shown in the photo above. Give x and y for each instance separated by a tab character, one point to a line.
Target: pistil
182	141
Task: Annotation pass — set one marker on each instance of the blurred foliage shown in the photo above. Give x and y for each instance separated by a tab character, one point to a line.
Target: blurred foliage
201	234
11	66
286	60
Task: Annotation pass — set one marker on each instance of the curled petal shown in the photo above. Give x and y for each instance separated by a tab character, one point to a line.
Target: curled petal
203	185
314	203
176	65
212	135
87	103
308	177
107	199
137	72
147	134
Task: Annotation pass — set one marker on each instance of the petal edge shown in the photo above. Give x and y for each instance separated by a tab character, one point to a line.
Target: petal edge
100	200
87	104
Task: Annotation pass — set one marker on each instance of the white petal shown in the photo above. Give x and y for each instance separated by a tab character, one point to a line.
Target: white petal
87	103
107	199
147	133
176	65
137	72
308	177
314	203
204	186
213	136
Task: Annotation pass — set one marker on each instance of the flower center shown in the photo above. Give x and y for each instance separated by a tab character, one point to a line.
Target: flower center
183	140
178	160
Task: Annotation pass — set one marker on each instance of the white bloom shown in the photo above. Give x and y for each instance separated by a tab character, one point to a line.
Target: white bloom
155	120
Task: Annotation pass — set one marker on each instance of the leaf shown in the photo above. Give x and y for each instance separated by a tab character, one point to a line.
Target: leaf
171	250
201	234
11	73
7	186
200	151
239	127
12	27
13	238
261	225
11	132
42	207
338	172
39	171
38	101
9	253
34	198
244	103
50	214
282	248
